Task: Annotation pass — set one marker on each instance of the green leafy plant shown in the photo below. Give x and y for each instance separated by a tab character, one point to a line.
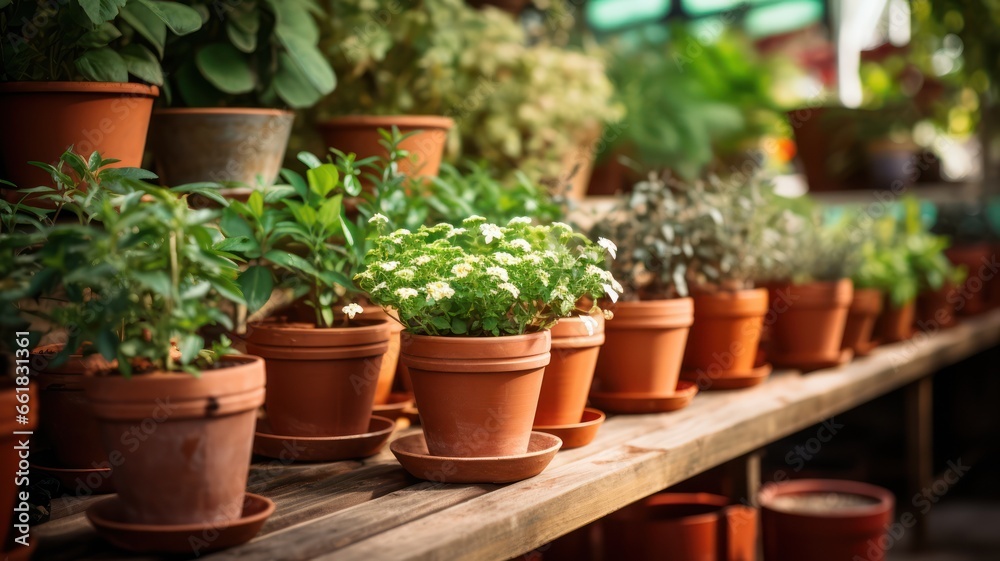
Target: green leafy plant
105	41
252	53
925	250
886	263
484	279
473	189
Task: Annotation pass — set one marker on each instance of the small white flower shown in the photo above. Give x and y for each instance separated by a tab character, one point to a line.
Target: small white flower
589	323
461	270
422	260
608	245
599	272
367	275
533	258
498	272
455	232
406	293
506	258
378	218
617	285
610	291
491	232
440	290
519	220
549	254
544	277
380	287
352	310
389	265
400	232
510	288
560	292
473	218
406	274
523	245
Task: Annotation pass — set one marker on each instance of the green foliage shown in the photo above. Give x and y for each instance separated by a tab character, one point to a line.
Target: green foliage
459	192
930	266
96	40
252	53
885	263
483	279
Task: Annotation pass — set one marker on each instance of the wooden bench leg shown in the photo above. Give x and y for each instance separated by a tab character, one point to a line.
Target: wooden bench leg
919	445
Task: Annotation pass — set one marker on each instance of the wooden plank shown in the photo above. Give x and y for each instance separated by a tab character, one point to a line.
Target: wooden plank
919	445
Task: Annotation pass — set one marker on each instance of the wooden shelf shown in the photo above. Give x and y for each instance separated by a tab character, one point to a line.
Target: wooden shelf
369	510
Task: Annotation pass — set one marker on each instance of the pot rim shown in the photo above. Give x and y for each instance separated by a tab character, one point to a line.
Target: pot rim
382	121
769	492
573	335
371	332
672	313
867	301
122	88
818	294
720	503
222	111
461	352
748	302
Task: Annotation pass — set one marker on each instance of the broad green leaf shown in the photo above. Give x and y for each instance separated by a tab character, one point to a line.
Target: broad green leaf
310	60
99	37
190	345
102	65
228	290
146	24
329	212
195	90
256	203
309	159
157	281
323	179
239	244
290	261
233	225
142	63
225	68
100	11
292	84
179	18
257	285
441	323
459	326
242	40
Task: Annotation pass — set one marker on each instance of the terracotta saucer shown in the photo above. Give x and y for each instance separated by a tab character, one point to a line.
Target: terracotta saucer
74	481
395	407
810	365
731	381
645	403
107	516
411	451
577	434
322	448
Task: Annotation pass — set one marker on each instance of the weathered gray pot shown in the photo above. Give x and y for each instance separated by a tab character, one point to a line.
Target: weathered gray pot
219	144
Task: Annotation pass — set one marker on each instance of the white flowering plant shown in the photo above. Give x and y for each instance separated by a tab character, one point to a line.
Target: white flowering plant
485	279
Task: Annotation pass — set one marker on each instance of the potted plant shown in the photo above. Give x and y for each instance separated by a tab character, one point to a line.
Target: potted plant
145	276
228	90
322	371
972	246
75	71
644	345
938	281
476	303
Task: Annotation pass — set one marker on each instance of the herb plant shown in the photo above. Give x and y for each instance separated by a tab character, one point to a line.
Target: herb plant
483	279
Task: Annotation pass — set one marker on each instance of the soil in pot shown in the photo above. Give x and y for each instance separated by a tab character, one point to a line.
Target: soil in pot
566	383
824	520
866	305
108	117
726	333
179	445
936	309
895	322
808	322
477	395
219	144
644	346
320	381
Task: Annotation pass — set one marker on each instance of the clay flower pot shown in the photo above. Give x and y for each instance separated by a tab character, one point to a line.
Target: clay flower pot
359	134
180	445
726	332
390	360
975	258
477	395
809	322
109	117
67	421
895	323
219	144
320	381
936	309
824	520
9	459
570	371
644	346
687	525
866	305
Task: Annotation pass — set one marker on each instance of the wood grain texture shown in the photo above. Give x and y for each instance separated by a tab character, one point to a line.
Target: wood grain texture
370	510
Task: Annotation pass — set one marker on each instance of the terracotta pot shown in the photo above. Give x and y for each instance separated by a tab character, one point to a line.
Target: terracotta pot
219	144
67	422
644	346
809	321
895	323
320	381
726	332
180	446
972	295
108	117
690	526
390	360
570	371
793	533
359	134
936	309
866	305
10	462
477	395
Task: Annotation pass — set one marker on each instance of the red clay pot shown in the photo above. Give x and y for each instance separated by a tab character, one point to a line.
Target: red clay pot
477	395
809	321
831	535
359	134
570	371
9	460
109	117
320	381
180	446
644	346
726	332
689	526
972	295
895	323
936	309
390	360
67	420
866	305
